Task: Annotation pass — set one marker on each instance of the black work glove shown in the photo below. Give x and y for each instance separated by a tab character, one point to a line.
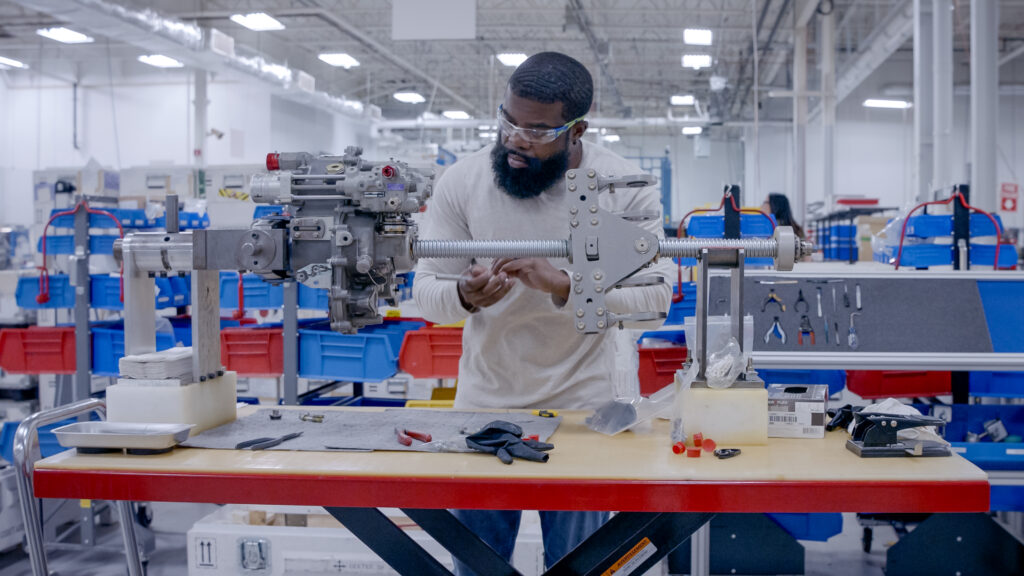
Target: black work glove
504	440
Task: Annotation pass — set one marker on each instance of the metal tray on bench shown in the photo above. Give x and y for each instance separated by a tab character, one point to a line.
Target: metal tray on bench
100	436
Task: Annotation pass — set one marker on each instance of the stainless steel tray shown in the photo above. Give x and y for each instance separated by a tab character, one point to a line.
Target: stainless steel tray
118	435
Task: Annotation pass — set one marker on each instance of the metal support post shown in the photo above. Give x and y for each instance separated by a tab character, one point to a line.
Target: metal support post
942	90
984	101
139	308
205	324
702	312
827	45
388	541
290	340
80	281
131	546
923	103
446	529
700	551
736	298
800	122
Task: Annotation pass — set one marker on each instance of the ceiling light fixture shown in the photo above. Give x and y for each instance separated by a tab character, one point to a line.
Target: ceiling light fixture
339	59
257	21
7	63
455	114
65	35
410	97
696	61
881	103
610	138
697	36
682	100
692	130
160	61
512	59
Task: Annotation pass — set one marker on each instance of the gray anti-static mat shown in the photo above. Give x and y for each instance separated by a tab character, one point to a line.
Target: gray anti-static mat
357	430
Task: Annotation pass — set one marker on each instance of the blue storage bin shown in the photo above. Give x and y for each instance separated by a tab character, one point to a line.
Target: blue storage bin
361	357
108	346
186	221
985	255
129	218
311	298
998	384
65	244
405	290
986	454
48	445
676	336
258	294
61	293
263	211
842	231
818	527
395	331
679	311
835	379
182	326
751	225
936	225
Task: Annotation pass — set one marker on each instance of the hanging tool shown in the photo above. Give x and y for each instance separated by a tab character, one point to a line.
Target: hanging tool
834	308
800	300
826	329
853	341
836	326
405	437
805	330
775	330
773	298
819	301
846	296
858	296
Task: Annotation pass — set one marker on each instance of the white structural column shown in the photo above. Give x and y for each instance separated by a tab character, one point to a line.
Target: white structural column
942	91
984	102
827	59
923	104
800	123
200	103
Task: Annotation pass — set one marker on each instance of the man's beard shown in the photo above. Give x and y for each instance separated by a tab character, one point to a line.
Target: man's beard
527	182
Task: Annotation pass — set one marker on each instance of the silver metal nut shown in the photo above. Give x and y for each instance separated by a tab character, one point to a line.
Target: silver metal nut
598	275
594	221
580	325
579	312
598	288
600	311
591	174
593	208
577	276
600	323
572	187
570	174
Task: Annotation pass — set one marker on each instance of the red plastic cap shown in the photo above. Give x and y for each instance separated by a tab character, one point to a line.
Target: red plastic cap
42	298
693	452
678	448
709	445
698	439
273	161
387	172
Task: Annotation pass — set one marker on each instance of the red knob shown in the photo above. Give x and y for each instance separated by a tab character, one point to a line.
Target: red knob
273	161
387	172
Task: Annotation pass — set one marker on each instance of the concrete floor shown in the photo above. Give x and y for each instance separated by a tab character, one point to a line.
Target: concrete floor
840	556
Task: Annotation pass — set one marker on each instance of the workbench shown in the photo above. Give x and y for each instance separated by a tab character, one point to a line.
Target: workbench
665	496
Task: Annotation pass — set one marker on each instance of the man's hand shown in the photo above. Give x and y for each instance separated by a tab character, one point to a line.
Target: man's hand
536	273
482	287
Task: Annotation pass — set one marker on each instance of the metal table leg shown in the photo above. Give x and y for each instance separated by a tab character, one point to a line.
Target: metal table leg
131	547
388	541
444	527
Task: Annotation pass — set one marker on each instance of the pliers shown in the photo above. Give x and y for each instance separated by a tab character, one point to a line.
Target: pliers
405	437
775	330
805	330
265	442
773	298
800	300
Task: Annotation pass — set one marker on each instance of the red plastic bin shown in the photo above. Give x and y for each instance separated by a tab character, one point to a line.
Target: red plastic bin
658	367
897	384
38	350
431	352
253	351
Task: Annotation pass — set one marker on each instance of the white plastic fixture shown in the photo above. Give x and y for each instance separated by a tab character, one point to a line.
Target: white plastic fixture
512	59
257	21
410	97
882	103
696	61
697	36
682	100
339	59
692	130
455	114
65	35
160	61
7	63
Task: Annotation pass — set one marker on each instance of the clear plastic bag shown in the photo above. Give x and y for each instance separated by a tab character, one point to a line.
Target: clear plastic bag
725	365
684	378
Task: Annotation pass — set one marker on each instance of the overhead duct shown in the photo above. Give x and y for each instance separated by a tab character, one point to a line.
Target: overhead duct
209	50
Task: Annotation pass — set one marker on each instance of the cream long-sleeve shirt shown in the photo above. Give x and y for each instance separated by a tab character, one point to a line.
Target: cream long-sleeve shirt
524	351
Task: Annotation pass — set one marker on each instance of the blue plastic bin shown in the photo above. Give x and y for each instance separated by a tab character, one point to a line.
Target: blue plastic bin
129	218
259	295
751	225
48	445
362	357
263	211
835	379
310	298
998	384
186	221
65	244
61	293
818	527
108	346
842	231
679	311
936	225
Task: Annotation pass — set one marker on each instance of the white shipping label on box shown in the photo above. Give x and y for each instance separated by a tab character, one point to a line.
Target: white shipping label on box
797	411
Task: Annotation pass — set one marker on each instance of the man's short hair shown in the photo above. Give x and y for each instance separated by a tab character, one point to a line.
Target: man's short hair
554	77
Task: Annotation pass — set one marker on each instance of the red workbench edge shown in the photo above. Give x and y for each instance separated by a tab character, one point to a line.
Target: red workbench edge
528	494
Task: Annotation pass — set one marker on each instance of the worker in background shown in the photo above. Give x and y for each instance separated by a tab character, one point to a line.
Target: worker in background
520	345
778	206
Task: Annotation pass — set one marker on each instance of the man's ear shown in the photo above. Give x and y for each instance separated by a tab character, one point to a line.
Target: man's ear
578	129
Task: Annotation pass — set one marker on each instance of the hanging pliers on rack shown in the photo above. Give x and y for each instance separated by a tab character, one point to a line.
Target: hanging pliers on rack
805	330
773	298
800	300
775	330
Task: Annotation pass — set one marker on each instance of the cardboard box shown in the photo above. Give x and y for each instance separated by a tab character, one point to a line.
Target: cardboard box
797	410
867	226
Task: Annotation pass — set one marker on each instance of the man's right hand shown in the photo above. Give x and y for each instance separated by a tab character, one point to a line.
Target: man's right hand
480	287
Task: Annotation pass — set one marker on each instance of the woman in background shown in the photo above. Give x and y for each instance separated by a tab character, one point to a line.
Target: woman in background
778	205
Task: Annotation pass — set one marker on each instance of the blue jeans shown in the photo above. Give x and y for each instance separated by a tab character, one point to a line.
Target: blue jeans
562	531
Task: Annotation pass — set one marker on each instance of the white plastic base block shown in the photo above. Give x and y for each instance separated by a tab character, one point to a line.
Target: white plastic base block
203	404
729	416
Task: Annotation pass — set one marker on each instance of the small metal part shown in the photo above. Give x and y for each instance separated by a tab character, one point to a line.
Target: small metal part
805	330
846	296
310	417
857	296
819	301
724	453
852	339
275	414
775	330
801	300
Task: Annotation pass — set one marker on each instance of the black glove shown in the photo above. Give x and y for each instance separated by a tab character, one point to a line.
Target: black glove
504	439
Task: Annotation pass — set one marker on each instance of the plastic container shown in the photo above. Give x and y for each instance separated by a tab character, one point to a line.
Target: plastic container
186	221
937	225
65	244
264	211
686	307
48	445
432	352
258	294
713	226
898	384
997	384
842	231
309	298
817	527
61	293
38	350
365	356
253	350
658	367
108	346
129	218
719	332
182	327
834	379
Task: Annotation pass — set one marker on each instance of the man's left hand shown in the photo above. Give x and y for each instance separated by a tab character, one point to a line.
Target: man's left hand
536	273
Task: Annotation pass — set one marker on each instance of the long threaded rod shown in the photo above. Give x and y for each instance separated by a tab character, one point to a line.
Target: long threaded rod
668	248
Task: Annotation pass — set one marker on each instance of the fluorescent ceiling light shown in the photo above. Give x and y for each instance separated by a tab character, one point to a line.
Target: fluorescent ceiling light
6	63
339	59
455	114
879	103
696	61
65	35
488	134
697	36
258	21
410	97
682	100
610	138
512	59
160	61
692	130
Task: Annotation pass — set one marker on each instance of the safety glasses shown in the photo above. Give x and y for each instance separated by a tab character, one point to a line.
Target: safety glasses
532	135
